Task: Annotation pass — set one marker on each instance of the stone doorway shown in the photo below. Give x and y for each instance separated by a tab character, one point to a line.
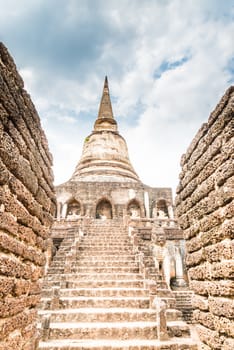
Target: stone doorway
134	209
161	209
73	209
104	210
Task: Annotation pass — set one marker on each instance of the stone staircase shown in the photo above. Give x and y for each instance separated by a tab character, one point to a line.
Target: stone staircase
184	304
95	298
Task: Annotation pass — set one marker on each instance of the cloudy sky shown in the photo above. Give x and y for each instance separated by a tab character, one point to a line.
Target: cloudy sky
168	63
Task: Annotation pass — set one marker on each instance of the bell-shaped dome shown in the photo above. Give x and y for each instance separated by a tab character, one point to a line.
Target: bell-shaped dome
105	153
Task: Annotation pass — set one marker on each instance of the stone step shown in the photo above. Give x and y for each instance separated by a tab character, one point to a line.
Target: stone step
110	232
106	234
104	330
66	244
106	243
105	247
91	256
132	344
107	315
104	251
97	276
109	269
74	283
183	303
99	292
114	330
164	292
100	263
118	236
110	257
105	239
104	302
63	250
96	269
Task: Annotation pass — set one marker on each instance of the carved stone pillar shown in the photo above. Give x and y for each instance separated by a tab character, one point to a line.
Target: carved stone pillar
59	207
146	202
179	268
64	210
160	306
170	212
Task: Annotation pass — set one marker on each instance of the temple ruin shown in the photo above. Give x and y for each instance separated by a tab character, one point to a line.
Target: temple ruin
117	278
100	261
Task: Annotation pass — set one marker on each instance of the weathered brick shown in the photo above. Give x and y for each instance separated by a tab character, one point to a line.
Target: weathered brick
17	322
223	270
201	272
218	233
228	344
25	209
205	209
219	251
221	307
9	152
194	244
200	302
6	286
12	267
210	337
205	318
26	198
224	326
214	288
4	174
12	306
12	245
8	223
26	287
195	258
225	171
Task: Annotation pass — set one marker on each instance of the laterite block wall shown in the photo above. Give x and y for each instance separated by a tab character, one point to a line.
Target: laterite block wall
205	209
27	205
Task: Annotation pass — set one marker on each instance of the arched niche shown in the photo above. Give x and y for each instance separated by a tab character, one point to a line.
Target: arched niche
134	209
104	209
73	209
162	209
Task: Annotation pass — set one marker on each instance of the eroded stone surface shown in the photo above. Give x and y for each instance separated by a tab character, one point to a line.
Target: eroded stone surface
27	205
205	209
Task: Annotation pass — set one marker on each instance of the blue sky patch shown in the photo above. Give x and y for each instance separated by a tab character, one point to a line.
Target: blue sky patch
169	65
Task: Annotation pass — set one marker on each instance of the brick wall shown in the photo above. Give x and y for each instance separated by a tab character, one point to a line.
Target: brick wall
205	209
27	204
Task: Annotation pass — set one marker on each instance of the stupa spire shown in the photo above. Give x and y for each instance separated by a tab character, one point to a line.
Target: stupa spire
105	109
105	153
105	119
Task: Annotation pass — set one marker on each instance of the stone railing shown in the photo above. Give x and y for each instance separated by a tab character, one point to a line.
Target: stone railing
158	248
140	233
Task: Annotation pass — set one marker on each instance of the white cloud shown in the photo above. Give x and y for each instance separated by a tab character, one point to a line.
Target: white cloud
167	63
